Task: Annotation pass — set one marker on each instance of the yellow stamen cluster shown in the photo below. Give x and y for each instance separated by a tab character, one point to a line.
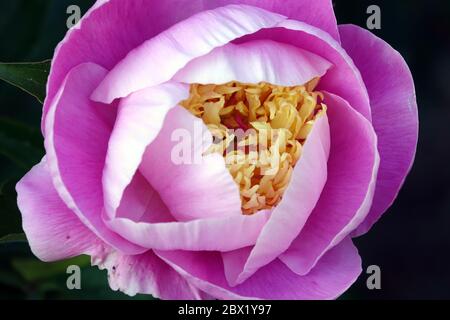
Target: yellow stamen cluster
280	119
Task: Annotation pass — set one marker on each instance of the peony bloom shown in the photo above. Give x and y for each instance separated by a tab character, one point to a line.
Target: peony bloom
338	103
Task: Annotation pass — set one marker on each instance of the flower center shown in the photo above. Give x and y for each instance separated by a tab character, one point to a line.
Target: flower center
260	130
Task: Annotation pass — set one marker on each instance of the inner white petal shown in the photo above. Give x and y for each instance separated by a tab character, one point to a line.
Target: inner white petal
254	62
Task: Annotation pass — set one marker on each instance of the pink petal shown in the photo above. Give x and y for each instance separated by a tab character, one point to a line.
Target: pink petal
141	203
343	79
318	13
145	274
332	276
254	62
197	235
53	231
149	64
140	119
202	188
289	217
348	193
394	113
76	139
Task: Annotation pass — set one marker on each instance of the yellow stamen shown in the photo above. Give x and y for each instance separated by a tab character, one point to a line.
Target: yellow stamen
281	119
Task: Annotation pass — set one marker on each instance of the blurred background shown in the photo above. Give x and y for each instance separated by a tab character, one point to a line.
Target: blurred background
411	243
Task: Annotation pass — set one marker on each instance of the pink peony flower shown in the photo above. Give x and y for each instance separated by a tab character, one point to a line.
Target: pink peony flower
131	73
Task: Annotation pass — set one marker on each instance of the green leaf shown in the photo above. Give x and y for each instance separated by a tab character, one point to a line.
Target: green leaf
30	77
20	143
15	237
21	131
9	213
11	279
34	270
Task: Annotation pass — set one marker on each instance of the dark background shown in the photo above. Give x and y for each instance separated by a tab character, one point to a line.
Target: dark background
411	243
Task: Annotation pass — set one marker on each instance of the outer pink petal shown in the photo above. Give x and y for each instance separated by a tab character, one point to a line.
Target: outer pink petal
343	79
144	273
158	59
394	113
348	193
254	62
318	13
53	231
332	276
76	138
289	217
139	121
